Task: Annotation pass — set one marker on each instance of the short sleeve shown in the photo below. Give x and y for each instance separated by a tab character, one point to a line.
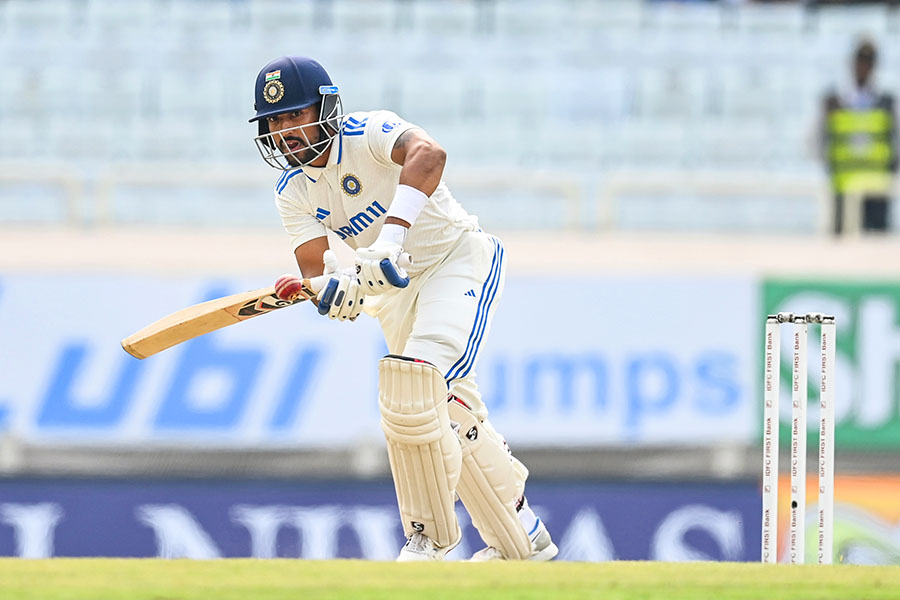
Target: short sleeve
382	132
300	225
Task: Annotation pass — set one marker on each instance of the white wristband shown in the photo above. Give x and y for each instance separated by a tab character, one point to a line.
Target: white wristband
408	203
393	233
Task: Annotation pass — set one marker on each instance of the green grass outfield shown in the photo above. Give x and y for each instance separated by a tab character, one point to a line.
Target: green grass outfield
138	579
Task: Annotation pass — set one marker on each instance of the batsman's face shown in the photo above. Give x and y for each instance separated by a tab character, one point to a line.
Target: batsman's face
297	135
862	69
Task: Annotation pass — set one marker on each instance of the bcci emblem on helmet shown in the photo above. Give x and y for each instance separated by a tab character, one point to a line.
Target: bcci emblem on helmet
274	90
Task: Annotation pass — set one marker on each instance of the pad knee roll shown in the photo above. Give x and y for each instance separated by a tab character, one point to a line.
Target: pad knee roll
491	484
423	449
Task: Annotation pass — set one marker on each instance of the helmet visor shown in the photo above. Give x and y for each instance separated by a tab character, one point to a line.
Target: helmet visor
302	145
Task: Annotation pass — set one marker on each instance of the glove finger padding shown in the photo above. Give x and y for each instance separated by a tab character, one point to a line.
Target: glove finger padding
372	278
326	296
352	302
340	297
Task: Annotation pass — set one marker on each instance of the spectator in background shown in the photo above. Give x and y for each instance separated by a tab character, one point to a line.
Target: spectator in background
858	136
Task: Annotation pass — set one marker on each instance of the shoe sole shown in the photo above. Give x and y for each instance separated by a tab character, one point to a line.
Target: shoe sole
548	553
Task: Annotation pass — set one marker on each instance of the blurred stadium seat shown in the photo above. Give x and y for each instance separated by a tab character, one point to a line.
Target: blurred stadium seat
849	21
672	92
460	18
787	19
674	16
529	18
52	16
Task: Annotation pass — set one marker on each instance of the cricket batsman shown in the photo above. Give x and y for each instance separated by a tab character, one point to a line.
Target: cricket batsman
375	180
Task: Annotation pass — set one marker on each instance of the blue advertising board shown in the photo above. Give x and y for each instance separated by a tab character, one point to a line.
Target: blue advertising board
343	519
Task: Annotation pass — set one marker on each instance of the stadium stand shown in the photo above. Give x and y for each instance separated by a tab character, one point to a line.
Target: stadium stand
716	86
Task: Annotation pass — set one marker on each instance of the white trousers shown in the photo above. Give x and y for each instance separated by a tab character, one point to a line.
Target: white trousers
444	315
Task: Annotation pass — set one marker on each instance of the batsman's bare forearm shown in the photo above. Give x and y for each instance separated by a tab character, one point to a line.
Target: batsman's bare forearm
422	159
309	256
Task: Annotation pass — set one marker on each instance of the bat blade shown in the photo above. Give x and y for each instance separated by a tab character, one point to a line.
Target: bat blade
194	321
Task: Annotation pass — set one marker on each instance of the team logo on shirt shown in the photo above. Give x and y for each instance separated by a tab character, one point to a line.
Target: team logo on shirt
351	185
360	221
355	127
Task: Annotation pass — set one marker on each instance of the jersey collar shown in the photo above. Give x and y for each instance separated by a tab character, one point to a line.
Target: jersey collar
334	158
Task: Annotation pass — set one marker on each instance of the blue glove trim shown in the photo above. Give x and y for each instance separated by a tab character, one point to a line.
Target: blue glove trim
392	275
328	296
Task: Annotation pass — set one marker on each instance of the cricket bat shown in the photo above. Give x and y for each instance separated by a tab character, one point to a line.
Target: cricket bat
194	321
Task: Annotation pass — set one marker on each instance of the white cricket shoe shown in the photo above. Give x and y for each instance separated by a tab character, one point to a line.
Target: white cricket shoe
542	547
420	547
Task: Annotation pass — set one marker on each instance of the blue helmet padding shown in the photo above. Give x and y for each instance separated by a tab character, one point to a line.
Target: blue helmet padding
301	78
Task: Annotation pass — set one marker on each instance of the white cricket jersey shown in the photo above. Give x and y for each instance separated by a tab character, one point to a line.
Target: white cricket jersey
352	193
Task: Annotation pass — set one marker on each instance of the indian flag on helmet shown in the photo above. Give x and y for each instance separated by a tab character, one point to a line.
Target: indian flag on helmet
273	75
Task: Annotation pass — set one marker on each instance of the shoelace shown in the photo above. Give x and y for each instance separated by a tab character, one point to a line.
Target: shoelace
416	542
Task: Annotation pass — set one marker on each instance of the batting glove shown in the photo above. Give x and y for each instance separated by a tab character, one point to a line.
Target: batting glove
342	297
379	266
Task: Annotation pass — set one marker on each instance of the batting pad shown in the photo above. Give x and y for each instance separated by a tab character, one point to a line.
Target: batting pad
491	484
423	449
